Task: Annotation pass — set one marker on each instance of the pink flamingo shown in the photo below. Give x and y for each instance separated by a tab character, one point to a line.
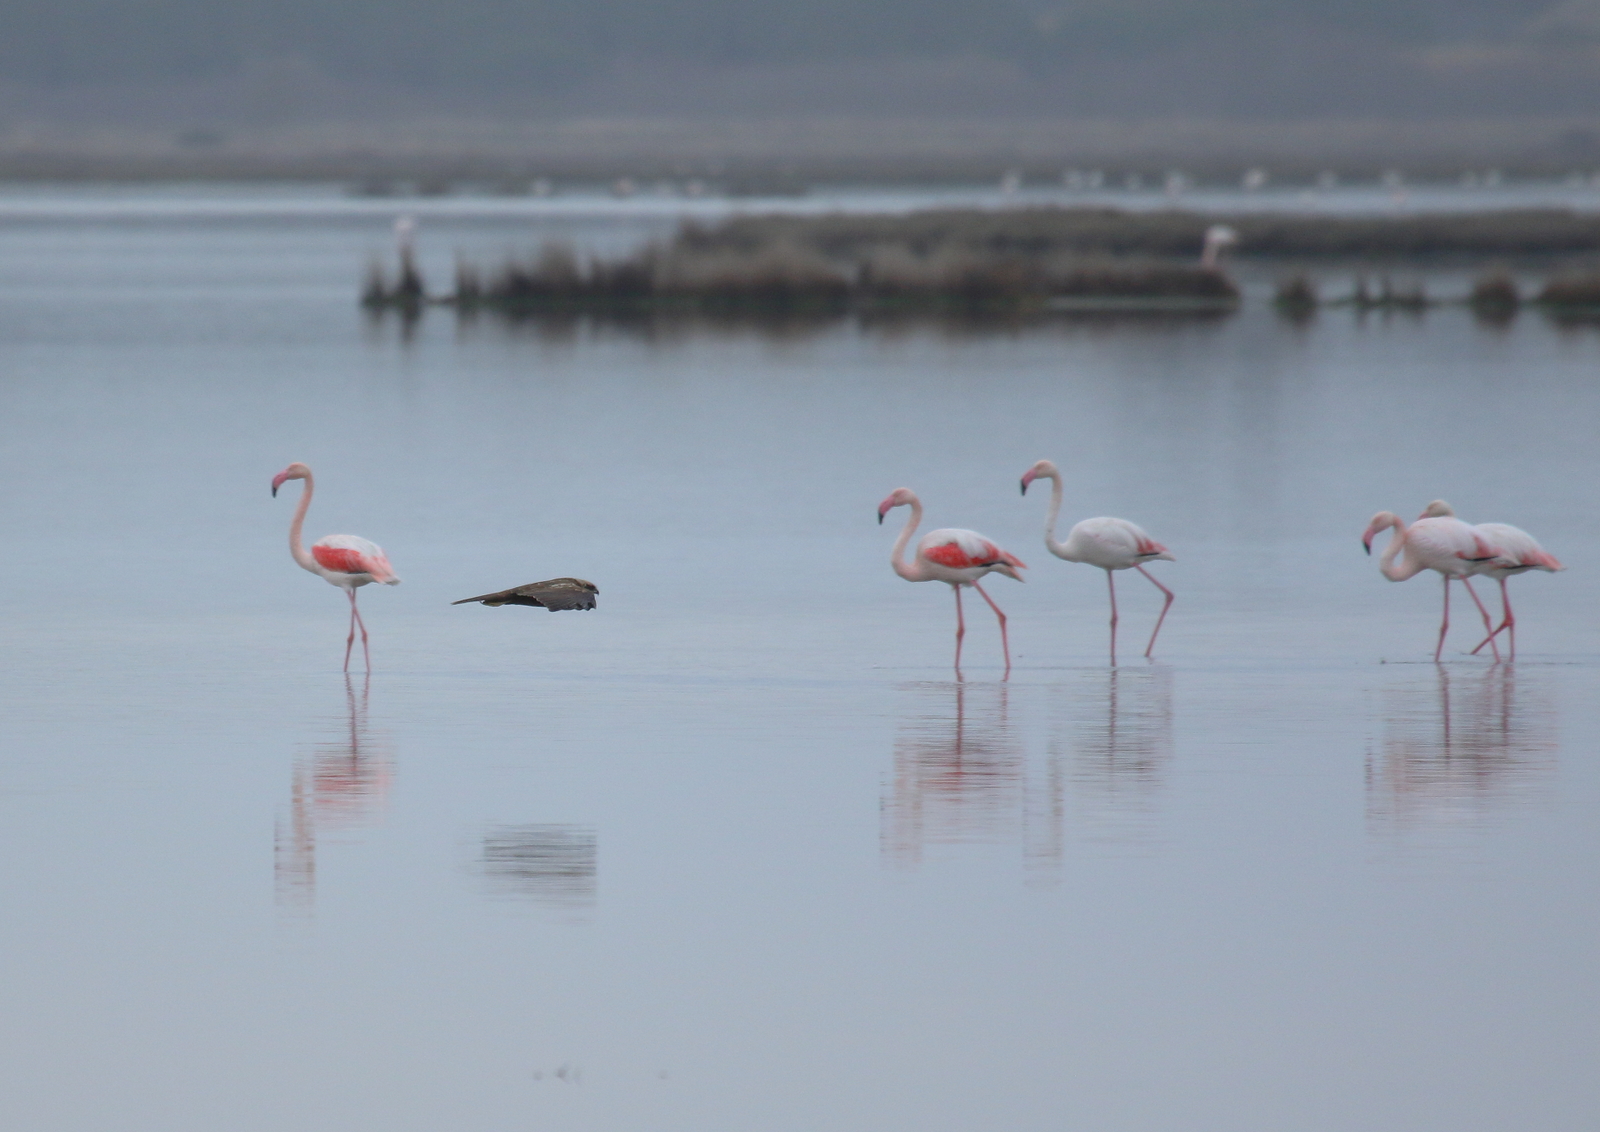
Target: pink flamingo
1111	544
950	555
1436	541
1519	553
346	561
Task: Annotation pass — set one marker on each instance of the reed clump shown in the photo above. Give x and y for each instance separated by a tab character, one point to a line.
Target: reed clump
785	277
1495	297
1572	292
1296	297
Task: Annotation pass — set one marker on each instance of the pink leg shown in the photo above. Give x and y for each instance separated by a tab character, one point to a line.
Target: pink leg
1488	622
356	613
1111	584
1004	643
961	628
350	641
1444	626
1507	621
1164	608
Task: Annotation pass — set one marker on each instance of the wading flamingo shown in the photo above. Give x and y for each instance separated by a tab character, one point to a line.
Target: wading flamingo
950	555
1111	544
1438	542
1519	553
346	561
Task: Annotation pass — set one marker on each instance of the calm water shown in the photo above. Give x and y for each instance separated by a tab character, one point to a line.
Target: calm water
735	851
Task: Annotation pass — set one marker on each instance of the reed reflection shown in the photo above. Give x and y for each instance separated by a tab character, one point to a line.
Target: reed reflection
1459	748
340	786
552	865
1121	741
961	776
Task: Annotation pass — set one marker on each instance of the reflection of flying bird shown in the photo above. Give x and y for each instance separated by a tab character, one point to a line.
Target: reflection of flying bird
953	556
1519	553
346	561
1437	541
1111	544
555	594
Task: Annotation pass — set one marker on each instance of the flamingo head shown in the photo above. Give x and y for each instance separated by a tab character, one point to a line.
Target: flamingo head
1438	509
1043	468
295	471
1382	521
899	497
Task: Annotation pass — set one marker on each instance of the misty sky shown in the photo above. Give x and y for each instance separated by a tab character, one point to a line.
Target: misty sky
1238	58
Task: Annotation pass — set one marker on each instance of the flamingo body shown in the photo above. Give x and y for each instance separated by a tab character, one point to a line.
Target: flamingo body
951	555
346	561
350	560
961	557
1111	544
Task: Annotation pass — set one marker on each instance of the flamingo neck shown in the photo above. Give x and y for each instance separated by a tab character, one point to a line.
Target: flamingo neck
907	570
1397	542
295	548
1052	544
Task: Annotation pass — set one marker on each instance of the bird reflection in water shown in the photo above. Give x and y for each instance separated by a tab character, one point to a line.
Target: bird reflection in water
1121	730
339	787
552	865
961	777
1458	749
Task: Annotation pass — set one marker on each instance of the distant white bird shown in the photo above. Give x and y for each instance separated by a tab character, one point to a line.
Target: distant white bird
1219	238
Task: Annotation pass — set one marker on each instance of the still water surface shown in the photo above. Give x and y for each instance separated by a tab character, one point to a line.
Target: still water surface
735	851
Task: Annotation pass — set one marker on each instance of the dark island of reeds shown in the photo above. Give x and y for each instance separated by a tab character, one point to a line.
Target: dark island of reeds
972	262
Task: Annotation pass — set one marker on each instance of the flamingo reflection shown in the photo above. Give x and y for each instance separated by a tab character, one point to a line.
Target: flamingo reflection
1122	745
961	777
338	788
1459	748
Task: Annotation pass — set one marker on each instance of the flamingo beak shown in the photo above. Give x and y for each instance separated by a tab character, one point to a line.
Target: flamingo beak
277	482
881	511
1366	544
1027	478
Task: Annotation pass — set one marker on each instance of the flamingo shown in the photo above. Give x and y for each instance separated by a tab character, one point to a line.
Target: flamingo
346	561
1519	553
957	557
1436	541
1111	544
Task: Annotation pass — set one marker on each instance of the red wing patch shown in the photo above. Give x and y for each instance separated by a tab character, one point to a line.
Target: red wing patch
952	556
341	559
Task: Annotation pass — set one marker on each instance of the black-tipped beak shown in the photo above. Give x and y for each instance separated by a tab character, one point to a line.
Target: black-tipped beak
274	491
1367	546
1024	487
880	518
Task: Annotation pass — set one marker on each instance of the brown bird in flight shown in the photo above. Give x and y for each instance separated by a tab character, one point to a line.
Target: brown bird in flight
555	594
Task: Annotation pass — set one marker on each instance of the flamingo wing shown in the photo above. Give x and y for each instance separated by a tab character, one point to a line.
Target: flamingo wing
352	554
555	594
965	550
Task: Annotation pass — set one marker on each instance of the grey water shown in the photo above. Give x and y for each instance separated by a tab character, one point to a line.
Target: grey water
737	850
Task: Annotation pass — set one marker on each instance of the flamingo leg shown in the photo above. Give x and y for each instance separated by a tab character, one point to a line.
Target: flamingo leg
961	628
1444	626
350	641
1507	622
1004	643
1164	608
1111	584
1488	621
356	613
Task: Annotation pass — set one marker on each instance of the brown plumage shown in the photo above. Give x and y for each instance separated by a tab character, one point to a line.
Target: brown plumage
557	593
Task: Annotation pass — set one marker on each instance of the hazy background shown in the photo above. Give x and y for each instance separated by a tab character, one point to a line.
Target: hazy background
218	83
